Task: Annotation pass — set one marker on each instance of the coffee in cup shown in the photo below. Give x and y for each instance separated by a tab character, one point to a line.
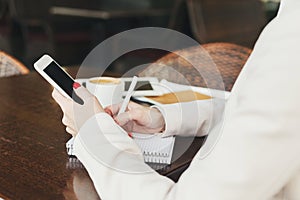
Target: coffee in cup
105	80
108	90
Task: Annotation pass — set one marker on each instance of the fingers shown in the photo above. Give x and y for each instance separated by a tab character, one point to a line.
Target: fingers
123	118
70	126
60	99
81	91
71	131
65	120
68	122
113	109
135	112
56	95
108	111
80	94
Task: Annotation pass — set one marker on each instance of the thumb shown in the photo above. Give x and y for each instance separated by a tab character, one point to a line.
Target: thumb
123	118
80	93
113	109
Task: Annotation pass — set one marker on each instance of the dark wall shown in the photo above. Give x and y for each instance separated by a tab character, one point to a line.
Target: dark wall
31	30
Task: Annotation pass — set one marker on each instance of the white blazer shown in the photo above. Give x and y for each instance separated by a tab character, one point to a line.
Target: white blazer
253	154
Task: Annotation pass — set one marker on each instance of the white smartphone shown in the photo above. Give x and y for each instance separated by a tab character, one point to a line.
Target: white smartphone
57	77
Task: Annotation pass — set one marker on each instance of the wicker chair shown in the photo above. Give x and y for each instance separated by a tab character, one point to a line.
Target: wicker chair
9	66
229	59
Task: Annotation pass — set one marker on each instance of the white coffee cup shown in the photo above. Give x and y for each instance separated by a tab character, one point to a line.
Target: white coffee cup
108	90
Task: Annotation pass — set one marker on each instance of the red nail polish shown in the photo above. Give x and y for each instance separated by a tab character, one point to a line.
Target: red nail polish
108	112
76	85
130	135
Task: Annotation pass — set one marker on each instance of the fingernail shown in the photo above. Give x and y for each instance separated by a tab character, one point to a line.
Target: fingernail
130	135
108	112
76	85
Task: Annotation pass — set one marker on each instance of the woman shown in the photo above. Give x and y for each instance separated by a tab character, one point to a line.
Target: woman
256	155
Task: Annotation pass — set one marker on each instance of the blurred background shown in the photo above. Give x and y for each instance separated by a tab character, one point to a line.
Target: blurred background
70	29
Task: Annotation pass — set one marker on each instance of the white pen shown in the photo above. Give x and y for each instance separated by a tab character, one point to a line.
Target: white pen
128	95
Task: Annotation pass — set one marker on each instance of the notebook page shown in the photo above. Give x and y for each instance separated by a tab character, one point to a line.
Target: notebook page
155	148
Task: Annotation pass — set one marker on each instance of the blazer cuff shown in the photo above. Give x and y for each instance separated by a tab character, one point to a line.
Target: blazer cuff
188	119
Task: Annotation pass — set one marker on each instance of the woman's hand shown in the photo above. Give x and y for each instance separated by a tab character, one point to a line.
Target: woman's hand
75	115
138	118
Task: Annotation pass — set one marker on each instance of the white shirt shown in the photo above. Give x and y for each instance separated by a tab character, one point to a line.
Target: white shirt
253	154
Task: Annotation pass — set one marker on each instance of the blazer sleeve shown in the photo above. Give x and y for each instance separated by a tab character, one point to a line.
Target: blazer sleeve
194	118
253	154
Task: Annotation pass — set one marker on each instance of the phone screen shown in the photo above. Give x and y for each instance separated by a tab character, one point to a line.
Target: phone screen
60	77
140	85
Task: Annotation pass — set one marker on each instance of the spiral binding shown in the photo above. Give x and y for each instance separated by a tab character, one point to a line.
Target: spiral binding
69	146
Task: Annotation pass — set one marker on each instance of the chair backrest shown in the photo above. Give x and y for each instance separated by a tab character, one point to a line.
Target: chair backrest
234	21
30	9
229	59
10	66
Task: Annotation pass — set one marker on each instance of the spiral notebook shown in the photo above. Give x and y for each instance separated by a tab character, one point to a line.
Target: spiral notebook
155	149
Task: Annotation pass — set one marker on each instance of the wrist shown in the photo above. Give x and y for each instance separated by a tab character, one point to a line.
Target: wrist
159	120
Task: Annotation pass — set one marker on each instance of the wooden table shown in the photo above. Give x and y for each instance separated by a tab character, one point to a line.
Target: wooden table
33	159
